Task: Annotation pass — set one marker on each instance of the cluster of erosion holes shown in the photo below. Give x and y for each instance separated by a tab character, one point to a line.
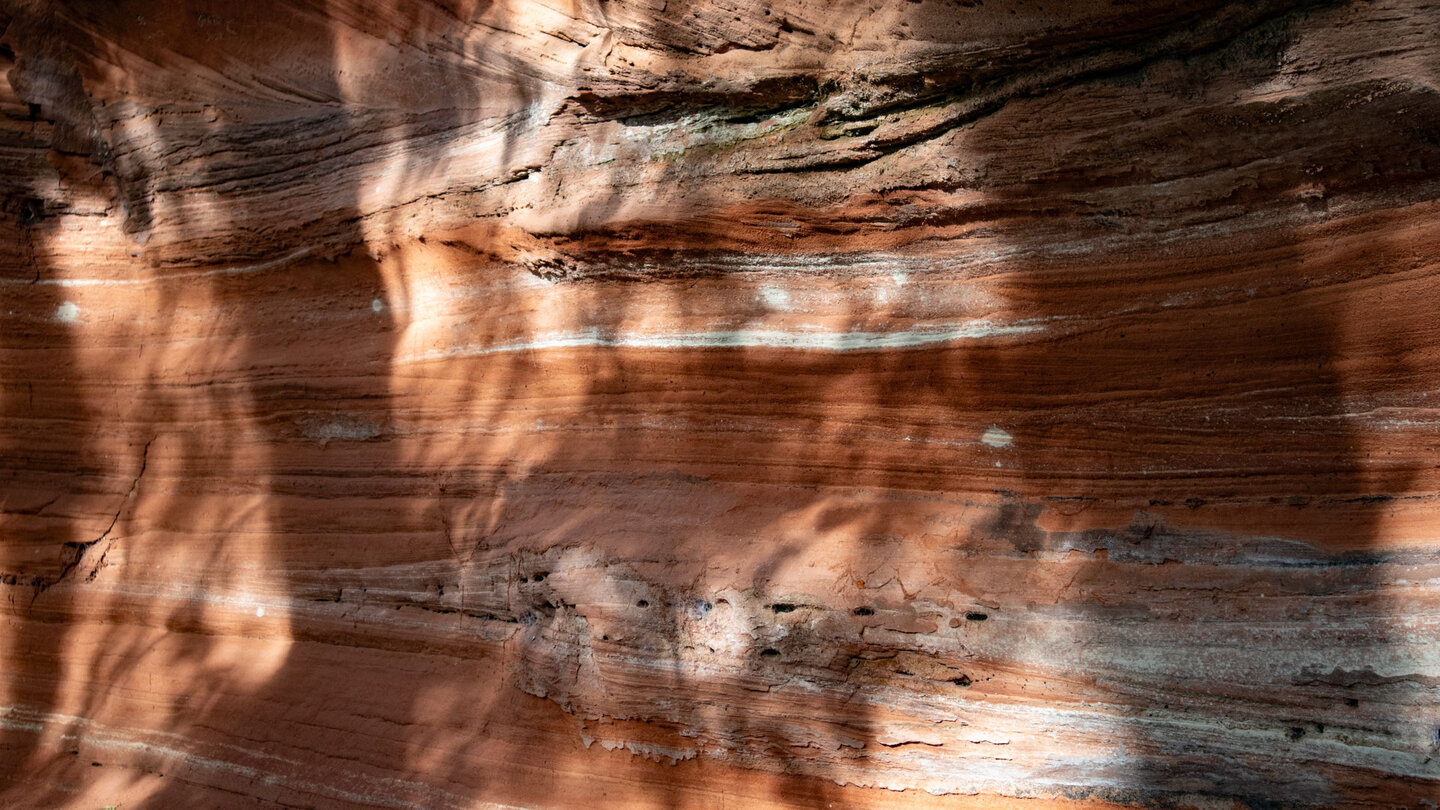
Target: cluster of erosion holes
767	638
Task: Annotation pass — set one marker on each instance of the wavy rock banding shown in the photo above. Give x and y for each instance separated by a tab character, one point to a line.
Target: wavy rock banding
704	404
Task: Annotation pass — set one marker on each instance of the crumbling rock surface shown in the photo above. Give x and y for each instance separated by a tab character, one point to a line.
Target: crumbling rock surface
456	404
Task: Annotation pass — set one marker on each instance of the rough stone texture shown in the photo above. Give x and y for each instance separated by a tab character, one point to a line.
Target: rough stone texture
458	404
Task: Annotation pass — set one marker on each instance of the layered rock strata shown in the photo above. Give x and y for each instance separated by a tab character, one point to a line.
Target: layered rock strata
701	404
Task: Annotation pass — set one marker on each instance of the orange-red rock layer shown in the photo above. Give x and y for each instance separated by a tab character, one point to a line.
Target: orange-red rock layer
441	405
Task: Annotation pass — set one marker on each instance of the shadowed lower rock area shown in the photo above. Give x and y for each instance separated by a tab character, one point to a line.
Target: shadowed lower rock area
697	404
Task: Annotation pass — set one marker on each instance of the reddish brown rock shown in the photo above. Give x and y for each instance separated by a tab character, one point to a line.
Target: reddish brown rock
693	404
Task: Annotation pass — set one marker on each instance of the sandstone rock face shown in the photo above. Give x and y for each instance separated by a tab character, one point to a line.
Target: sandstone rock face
707	404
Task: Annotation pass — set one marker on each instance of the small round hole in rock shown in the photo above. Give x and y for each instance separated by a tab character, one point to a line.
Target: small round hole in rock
963	680
974	616
643	603
31	211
